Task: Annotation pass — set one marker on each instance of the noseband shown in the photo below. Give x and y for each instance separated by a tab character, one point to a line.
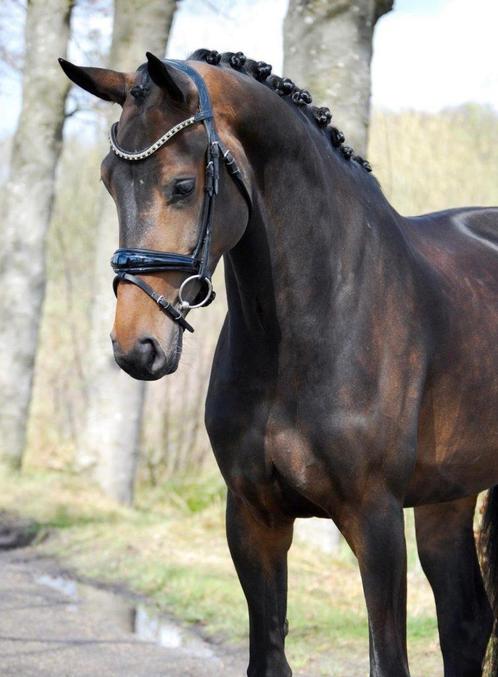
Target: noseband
128	263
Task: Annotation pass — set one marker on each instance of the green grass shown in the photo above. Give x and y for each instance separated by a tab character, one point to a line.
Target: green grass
171	547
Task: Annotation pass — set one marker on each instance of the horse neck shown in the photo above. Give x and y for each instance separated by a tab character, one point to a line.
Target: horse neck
321	234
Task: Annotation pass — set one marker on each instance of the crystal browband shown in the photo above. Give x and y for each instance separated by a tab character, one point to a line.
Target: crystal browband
142	154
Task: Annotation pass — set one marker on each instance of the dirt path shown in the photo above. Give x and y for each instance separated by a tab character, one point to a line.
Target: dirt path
52	626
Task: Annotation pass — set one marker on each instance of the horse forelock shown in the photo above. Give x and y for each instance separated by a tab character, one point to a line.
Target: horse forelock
142	84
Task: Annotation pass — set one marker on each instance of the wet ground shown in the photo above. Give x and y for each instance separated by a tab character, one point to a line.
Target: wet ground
52	625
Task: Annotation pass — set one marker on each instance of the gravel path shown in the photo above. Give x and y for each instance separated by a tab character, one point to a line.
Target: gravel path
53	626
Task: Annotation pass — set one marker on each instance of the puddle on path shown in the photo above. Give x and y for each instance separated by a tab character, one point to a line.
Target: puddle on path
141	621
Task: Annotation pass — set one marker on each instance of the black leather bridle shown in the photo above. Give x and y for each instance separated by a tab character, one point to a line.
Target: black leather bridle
128	263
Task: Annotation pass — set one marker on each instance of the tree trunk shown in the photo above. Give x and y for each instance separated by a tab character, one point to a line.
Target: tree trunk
328	49
108	445
27	207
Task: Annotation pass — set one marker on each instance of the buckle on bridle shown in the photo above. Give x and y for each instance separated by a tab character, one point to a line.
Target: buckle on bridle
206	300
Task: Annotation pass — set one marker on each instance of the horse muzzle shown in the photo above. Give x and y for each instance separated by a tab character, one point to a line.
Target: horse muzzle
147	360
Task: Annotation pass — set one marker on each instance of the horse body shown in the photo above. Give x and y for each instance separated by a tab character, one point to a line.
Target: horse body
356	371
457	438
457	453
378	333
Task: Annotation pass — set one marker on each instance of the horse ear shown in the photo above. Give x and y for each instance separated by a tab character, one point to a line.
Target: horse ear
168	78
106	84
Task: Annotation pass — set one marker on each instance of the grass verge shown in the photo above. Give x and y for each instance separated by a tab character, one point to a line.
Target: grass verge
171	547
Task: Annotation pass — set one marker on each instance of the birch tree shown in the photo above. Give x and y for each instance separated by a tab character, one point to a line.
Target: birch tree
27	206
108	444
328	49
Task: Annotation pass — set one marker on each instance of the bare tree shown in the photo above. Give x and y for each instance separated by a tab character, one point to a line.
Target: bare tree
27	206
328	49
108	444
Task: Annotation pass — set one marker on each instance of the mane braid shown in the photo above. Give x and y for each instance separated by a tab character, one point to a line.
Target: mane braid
283	87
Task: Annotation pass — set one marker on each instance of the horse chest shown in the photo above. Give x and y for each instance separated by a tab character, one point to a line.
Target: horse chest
267	462
280	476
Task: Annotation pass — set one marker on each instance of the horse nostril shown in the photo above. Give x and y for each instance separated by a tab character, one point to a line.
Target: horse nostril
146	361
152	354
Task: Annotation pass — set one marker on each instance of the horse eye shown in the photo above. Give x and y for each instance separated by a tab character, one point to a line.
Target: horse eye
183	187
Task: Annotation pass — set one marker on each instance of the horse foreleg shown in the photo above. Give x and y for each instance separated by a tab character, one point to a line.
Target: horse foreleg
447	551
375	530
259	553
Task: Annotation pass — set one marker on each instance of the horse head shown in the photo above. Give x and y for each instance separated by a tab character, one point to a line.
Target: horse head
178	212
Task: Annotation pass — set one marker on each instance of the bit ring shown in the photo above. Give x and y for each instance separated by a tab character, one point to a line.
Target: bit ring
185	305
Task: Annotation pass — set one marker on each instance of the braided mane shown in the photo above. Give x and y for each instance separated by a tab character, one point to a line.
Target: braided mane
284	87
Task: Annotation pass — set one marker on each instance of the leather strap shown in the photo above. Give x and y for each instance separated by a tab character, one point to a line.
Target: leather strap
163	304
205	108
149	261
128	262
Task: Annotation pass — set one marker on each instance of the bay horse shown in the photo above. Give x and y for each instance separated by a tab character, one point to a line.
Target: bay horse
356	372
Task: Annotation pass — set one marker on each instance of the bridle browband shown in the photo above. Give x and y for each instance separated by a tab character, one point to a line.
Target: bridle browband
128	263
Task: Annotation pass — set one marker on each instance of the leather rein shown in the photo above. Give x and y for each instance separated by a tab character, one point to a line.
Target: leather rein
128	263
